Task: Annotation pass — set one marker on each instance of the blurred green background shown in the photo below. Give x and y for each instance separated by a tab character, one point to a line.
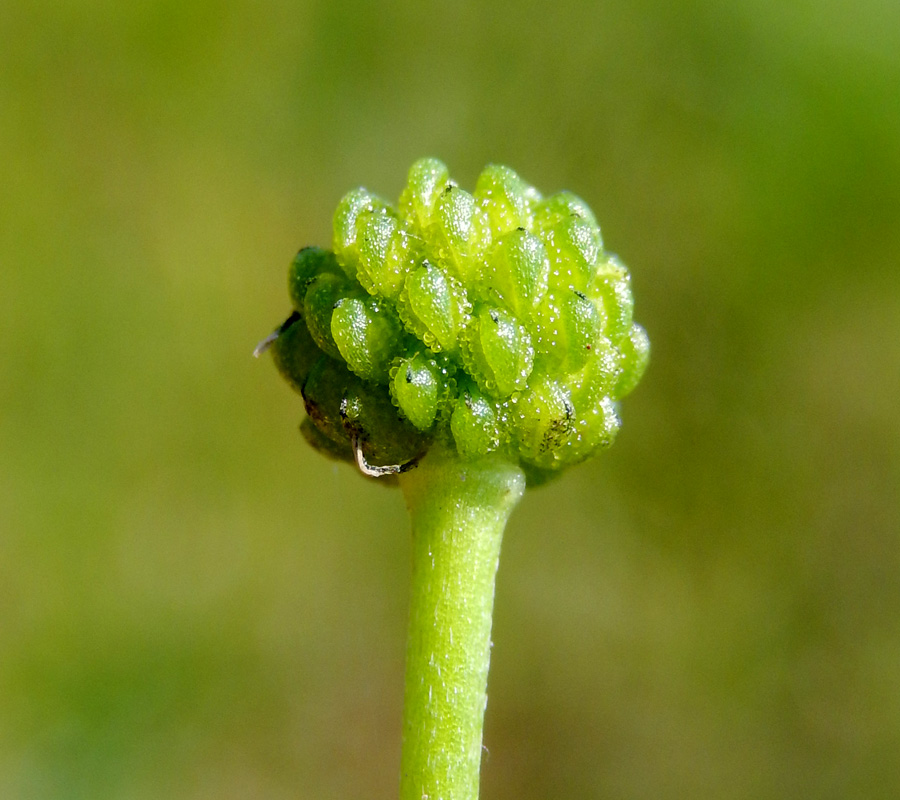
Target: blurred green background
194	605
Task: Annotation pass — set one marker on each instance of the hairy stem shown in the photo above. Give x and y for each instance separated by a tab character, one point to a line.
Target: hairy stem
459	510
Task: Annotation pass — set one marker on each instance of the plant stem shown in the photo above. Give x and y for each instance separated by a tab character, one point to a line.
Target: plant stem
459	510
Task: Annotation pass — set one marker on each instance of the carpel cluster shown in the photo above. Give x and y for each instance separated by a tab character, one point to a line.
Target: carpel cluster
493	322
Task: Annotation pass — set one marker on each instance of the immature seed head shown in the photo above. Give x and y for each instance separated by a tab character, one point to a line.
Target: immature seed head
492	322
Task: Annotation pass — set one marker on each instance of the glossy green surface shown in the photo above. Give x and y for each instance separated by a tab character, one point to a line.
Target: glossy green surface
417	387
434	285
433	307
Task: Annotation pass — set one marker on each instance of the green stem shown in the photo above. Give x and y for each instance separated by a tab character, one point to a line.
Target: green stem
459	510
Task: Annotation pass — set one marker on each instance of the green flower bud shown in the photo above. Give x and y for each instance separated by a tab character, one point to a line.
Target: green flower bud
635	349
612	291
324	391
325	291
474	423
432	307
416	387
561	206
568	326
386	254
598	377
352	215
305	268
575	247
461	233
428	178
375	427
518	273
493	322
545	422
497	352
368	336
348	412
505	197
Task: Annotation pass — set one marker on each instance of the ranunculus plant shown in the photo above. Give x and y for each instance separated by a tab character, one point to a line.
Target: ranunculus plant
463	346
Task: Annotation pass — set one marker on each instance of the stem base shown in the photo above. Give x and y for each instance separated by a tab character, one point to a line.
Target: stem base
459	510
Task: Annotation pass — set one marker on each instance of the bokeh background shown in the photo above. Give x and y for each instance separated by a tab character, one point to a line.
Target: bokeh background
194	605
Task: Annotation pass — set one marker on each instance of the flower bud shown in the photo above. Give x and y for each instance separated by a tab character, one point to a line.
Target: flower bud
493	322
